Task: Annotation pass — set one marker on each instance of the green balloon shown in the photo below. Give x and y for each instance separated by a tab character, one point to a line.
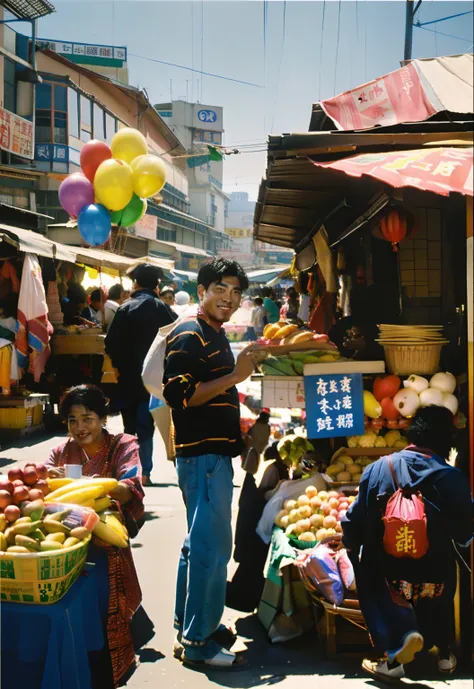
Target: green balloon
133	211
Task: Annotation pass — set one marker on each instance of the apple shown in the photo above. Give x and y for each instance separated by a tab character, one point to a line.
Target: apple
311	491
325	507
343	506
334	502
334	513
316	521
6	485
14	474
316	503
35	494
329	522
30	476
42	471
19	494
323	495
42	485
333	494
12	513
5	498
17	482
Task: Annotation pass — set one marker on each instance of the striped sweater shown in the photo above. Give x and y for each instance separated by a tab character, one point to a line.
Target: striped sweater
197	353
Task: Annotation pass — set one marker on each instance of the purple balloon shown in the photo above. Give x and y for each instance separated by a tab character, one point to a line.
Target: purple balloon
75	192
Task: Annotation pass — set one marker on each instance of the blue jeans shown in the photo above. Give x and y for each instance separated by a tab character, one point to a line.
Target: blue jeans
206	483
138	421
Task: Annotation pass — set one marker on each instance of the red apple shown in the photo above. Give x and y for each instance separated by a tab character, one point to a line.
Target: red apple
6	485
343	506
35	494
42	471
333	494
19	494
29	464
30	476
334	513
15	474
17	483
42	485
5	499
12	512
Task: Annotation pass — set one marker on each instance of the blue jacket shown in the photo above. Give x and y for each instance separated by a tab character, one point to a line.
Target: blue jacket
448	506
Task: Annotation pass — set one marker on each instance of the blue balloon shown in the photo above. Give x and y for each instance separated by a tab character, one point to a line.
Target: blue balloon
94	224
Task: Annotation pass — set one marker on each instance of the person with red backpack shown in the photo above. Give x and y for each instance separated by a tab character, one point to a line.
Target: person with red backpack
411	510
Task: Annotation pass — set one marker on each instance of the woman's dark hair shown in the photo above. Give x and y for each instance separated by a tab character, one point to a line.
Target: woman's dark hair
116	291
89	396
433	429
217	268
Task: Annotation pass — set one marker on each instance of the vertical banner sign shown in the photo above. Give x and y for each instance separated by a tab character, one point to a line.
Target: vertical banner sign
334	405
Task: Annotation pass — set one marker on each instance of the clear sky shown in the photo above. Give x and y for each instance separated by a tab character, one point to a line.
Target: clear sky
245	40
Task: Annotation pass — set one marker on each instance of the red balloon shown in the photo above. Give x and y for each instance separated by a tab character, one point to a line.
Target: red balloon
93	153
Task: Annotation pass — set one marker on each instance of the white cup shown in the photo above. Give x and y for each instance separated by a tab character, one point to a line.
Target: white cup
73	471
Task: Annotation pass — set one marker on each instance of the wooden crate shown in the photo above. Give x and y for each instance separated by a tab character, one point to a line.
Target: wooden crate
341	631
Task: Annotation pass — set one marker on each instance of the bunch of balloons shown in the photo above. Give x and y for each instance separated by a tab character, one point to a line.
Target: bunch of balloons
113	186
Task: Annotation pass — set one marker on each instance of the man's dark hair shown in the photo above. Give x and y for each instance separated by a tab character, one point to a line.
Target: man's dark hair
89	396
116	291
258	301
77	294
266	292
147	276
217	268
264	417
433	429
95	295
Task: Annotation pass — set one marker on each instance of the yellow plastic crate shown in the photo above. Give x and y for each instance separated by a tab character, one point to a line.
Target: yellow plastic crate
40	578
21	417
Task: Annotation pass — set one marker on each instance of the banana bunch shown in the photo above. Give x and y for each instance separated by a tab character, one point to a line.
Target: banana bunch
89	492
110	529
287	333
292	448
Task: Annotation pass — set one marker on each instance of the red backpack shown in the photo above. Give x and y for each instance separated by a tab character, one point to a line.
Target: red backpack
406	533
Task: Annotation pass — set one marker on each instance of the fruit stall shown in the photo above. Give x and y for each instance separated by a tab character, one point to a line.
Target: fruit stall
46	528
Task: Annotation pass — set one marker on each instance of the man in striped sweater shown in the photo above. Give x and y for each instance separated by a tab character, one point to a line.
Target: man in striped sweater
199	385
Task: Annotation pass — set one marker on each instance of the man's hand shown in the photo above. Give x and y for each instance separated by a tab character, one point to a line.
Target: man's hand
244	366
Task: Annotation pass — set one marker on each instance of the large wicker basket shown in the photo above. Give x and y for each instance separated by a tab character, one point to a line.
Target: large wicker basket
40	578
422	359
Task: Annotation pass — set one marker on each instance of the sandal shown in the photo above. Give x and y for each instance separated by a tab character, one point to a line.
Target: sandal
224	661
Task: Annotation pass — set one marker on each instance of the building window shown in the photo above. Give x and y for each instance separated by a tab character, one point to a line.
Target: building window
110	127
99	128
9	88
44	105
60	114
86	119
73	112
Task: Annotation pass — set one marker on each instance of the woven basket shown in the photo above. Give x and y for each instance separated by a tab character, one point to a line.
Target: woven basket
40	578
403	360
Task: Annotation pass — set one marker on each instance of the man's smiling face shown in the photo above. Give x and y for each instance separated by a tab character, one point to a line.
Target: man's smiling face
221	299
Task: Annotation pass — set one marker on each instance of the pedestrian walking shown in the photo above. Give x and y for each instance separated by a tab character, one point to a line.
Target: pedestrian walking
128	340
199	386
258	319
115	298
167	296
271	307
406	577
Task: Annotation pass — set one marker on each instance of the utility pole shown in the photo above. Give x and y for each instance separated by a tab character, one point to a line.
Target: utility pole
409	19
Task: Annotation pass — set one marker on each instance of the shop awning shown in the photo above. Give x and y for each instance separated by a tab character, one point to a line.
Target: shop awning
413	93
115	263
270	274
440	170
34	243
182	248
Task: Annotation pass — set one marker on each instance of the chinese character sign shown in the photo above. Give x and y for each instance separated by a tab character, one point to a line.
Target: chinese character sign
16	134
334	405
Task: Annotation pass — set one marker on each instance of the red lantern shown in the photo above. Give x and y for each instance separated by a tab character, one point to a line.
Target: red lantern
394	227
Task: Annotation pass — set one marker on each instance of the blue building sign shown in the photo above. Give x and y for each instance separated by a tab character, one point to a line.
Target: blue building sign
207	116
52	152
334	405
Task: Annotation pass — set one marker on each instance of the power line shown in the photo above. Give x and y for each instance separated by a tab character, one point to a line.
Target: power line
443	19
190	69
321	50
440	33
337	42
283	34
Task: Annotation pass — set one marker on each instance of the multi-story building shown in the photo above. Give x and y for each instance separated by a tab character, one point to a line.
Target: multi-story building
197	127
75	104
18	75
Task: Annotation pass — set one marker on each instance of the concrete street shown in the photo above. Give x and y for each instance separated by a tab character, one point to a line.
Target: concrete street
156	552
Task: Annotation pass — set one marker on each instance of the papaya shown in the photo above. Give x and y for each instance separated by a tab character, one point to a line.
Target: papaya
27	542
69	542
56	537
25	527
50	545
18	549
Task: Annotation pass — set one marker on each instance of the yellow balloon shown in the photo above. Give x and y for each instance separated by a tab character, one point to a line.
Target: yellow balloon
113	184
149	175
128	144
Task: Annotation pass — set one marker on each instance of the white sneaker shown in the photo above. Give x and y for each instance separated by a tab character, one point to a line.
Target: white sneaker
413	643
447	665
380	670
224	658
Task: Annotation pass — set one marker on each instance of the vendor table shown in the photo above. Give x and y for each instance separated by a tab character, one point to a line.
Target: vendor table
23	414
46	646
83	342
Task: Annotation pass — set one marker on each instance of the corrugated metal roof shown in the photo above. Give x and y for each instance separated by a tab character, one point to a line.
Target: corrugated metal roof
35	243
29	9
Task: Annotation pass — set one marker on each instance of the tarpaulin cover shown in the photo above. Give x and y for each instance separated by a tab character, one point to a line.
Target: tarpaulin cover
412	93
440	170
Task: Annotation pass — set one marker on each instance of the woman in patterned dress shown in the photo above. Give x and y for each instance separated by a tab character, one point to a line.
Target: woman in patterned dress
90	445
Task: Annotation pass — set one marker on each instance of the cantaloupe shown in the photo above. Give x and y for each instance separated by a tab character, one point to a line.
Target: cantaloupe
353	469
356	477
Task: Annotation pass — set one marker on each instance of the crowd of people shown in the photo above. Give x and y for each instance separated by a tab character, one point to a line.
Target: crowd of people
407	603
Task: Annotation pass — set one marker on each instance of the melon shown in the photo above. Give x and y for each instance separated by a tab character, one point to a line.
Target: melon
356	477
344	476
345	459
353	469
